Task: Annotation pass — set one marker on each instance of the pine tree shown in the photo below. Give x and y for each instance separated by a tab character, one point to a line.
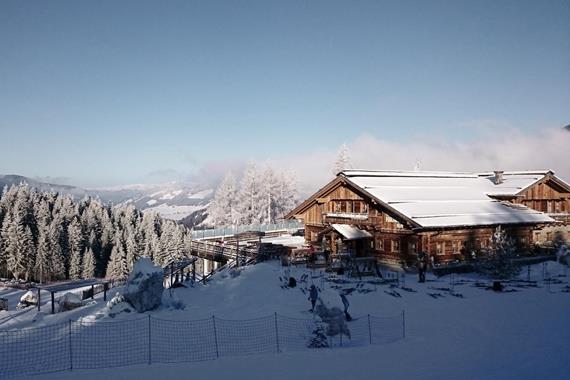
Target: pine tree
499	261
117	268
44	263
75	267
249	197
342	161
222	210
88	264
57	255
75	241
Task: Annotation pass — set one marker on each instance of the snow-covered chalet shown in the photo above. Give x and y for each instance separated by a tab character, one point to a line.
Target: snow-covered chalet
393	215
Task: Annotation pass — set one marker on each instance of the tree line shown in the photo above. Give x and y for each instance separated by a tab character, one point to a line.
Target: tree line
49	236
262	196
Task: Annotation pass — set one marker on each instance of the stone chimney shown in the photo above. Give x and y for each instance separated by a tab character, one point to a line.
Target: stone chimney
498	176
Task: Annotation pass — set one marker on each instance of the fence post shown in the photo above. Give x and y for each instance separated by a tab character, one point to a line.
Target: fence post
276	333
149	342
215	336
369	330
70	349
404	324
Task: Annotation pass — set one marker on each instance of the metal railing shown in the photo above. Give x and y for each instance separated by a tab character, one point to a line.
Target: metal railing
233	230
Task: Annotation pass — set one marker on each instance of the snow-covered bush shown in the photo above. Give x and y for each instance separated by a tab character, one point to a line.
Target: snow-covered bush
117	299
318	338
334	318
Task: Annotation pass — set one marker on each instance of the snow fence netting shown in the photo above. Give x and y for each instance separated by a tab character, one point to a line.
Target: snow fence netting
104	344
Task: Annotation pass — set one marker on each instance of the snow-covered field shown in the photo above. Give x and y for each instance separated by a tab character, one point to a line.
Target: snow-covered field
173	212
519	334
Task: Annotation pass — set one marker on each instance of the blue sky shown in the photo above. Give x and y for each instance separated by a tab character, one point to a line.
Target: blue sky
109	92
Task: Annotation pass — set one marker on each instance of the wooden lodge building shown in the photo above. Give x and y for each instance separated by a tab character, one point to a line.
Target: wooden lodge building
393	215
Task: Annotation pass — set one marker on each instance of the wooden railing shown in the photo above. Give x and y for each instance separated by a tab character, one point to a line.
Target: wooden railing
221	252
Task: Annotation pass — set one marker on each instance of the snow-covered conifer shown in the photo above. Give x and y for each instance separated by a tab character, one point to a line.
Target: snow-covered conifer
342	161
88	270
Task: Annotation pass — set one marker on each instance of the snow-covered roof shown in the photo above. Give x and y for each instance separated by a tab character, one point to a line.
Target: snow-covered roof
442	199
513	182
351	232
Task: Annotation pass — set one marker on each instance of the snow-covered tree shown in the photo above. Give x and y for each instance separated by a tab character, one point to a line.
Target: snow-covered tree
118	268
499	262
249	204
75	243
48	236
342	161
88	270
43	263
57	254
222	210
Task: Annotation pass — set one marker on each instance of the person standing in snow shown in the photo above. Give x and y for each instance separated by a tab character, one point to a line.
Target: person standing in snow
313	297
346	305
422	266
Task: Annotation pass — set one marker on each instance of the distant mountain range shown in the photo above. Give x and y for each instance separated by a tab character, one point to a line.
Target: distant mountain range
171	200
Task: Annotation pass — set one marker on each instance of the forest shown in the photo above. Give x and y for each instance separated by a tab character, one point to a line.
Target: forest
49	236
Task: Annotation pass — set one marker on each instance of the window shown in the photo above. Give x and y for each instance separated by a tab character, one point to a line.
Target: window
342	206
379	244
522	241
412	248
439	248
336	205
357	207
395	246
456	246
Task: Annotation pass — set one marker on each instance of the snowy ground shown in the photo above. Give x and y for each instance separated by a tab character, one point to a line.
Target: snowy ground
522	334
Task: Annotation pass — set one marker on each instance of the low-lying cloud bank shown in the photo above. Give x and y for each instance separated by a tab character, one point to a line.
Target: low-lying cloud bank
500	150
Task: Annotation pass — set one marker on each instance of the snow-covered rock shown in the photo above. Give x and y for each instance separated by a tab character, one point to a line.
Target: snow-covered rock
144	286
3	304
69	301
28	299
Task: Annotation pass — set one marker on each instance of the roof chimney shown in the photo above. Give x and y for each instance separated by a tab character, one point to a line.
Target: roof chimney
498	176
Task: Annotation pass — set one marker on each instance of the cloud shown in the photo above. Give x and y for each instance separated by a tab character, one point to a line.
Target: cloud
502	149
164	175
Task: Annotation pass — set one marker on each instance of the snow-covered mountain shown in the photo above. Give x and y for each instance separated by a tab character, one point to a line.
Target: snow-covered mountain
172	200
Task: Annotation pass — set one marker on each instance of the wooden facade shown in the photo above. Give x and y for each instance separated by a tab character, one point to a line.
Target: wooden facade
395	238
548	195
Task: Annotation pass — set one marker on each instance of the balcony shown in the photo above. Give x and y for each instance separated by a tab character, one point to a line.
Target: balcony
332	216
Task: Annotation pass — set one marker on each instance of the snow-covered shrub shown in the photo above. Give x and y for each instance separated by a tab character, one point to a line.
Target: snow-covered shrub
334	318
117	299
318	338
